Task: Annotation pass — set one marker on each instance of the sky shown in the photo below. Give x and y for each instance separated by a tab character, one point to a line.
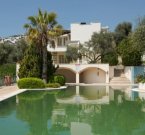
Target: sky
14	13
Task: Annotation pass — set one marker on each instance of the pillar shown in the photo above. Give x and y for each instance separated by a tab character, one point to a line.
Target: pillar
107	77
77	78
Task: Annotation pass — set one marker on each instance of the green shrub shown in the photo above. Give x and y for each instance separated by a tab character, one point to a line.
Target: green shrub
140	78
110	58
57	79
53	85
30	83
8	69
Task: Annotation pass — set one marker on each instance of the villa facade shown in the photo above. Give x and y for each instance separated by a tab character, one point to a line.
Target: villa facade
79	33
79	71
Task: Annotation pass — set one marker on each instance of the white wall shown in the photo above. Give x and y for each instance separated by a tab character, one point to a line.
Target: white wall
69	75
17	70
84	32
111	71
128	73
93	75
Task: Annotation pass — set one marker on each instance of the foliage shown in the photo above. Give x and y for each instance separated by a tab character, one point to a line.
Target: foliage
8	69
140	78
72	53
30	65
21	47
42	30
131	56
99	45
30	83
6	51
11	53
139	38
111	58
57	79
53	85
122	31
141	21
51	67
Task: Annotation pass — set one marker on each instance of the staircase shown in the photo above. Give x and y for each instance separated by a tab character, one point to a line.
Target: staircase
120	80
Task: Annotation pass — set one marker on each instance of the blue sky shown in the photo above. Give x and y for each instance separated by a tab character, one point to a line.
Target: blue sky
14	13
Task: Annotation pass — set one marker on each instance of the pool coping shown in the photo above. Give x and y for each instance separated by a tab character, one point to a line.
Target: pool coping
49	89
101	84
138	90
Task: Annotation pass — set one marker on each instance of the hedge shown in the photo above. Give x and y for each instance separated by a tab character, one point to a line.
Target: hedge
53	85
58	79
30	83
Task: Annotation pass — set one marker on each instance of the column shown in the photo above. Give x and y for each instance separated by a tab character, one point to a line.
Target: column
77	78
107	77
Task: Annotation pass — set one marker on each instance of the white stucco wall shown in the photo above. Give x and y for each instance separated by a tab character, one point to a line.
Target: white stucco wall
93	75
111	71
69	75
17	70
128	73
78	68
83	32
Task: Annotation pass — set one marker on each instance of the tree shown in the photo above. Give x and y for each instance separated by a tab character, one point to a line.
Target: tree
6	51
131	55
51	67
30	65
141	21
111	58
122	31
42	29
21	46
139	38
72	53
99	45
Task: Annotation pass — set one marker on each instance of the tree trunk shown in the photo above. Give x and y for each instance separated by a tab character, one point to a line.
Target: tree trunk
44	68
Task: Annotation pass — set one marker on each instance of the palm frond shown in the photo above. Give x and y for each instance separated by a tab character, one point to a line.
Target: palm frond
26	26
32	20
52	17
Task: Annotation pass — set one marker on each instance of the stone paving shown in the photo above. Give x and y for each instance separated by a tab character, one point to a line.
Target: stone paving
9	91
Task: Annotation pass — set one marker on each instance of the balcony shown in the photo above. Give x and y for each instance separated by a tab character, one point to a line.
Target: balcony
57	49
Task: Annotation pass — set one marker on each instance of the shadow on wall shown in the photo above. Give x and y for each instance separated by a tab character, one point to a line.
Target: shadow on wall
69	75
93	75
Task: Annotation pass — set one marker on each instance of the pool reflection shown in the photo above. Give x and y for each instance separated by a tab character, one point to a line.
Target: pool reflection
83	111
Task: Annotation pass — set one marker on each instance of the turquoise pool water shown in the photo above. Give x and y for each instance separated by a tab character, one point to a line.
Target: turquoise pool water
91	110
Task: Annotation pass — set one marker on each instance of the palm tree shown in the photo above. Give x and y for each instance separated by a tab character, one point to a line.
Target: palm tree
42	30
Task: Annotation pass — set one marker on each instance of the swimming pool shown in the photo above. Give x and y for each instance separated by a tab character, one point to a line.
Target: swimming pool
85	110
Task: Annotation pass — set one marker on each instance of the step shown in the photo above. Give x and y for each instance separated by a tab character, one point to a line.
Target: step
119	80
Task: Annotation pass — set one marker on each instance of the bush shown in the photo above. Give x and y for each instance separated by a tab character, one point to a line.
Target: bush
110	58
53	85
58	79
140	78
30	83
8	69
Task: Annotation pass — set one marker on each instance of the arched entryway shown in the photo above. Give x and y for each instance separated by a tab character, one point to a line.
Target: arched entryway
92	75
69	74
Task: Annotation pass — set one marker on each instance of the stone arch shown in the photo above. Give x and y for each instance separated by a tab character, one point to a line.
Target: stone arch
68	73
92	75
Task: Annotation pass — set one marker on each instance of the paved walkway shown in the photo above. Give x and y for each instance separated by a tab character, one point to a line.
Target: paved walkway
9	91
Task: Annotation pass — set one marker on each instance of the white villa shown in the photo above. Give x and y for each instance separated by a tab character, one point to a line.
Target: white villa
80	71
